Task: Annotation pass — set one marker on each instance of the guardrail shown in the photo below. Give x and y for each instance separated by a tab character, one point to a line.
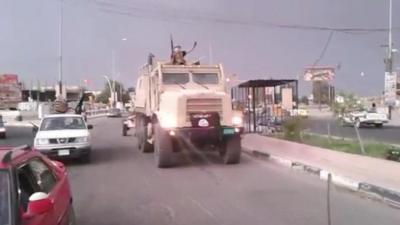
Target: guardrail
96	113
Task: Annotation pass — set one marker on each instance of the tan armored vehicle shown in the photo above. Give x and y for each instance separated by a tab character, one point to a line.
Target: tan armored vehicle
185	106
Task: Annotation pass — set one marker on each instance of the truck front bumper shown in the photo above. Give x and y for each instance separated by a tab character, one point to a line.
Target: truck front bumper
205	134
65	151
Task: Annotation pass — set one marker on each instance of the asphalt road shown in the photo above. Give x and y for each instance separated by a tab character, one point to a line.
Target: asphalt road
387	134
123	186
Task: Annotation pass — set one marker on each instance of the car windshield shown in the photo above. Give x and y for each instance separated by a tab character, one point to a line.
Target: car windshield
62	123
175	78
5	201
205	78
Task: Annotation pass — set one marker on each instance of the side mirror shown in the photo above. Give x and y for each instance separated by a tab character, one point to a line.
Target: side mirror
60	166
89	126
39	203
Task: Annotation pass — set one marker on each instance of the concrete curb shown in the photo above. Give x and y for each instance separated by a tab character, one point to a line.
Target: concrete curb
388	196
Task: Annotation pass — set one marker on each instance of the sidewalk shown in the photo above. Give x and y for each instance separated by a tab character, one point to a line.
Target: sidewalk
353	171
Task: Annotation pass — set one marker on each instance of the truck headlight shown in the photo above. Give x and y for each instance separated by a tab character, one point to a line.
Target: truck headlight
42	141
82	139
168	121
237	121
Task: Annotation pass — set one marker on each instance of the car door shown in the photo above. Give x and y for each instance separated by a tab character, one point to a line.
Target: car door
27	185
37	176
55	184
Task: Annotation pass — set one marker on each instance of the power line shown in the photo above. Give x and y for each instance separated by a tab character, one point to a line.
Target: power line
190	16
322	54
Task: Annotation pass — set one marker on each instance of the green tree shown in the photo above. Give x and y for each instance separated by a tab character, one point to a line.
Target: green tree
105	94
350	103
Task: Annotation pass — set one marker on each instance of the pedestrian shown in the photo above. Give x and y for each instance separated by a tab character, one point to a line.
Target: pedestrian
178	56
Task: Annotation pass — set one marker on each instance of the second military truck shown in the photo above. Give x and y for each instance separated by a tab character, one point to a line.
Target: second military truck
185	106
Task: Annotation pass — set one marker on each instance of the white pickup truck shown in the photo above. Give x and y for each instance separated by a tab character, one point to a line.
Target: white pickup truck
64	136
365	118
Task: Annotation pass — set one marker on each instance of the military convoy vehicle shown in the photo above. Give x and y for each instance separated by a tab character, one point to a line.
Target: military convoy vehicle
183	106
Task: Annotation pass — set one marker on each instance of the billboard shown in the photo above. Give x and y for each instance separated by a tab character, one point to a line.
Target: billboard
10	90
8	79
319	73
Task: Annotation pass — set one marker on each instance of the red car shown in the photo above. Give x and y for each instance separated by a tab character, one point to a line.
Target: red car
33	189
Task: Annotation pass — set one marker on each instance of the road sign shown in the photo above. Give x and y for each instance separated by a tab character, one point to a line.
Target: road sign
390	88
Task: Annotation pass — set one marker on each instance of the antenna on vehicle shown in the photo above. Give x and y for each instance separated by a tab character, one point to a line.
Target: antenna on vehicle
8	156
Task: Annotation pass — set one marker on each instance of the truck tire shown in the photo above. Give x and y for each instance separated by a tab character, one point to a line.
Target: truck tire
231	149
124	130
141	136
163	148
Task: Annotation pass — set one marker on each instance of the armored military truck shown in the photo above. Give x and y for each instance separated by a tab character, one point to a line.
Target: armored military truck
185	106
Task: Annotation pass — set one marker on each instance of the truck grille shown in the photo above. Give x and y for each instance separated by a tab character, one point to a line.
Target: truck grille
198	105
61	140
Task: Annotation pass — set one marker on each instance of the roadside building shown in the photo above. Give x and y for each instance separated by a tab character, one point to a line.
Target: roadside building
10	91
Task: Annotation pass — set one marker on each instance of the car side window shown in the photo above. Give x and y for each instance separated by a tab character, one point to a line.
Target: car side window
43	175
27	185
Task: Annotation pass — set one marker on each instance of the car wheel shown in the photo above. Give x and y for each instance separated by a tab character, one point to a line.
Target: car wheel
71	216
231	150
2	135
163	148
86	158
379	125
124	130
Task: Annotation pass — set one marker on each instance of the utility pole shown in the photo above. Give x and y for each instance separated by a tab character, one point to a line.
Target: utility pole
389	76
60	46
389	60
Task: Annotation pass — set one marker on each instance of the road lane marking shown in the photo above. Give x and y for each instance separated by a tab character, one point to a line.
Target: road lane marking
203	208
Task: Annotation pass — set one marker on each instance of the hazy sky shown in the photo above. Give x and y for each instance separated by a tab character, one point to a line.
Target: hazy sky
94	28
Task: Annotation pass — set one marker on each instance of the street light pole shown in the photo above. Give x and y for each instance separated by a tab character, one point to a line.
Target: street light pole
60	66
390	44
109	85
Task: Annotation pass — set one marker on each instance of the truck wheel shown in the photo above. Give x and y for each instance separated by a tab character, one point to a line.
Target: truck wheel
141	136
85	158
231	150
124	130
163	148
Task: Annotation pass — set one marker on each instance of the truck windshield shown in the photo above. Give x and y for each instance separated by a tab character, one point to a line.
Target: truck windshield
5	201
62	123
175	78
205	78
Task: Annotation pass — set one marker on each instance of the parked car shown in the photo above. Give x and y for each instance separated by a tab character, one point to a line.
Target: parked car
3	130
127	124
114	112
299	112
64	136
364	118
34	190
